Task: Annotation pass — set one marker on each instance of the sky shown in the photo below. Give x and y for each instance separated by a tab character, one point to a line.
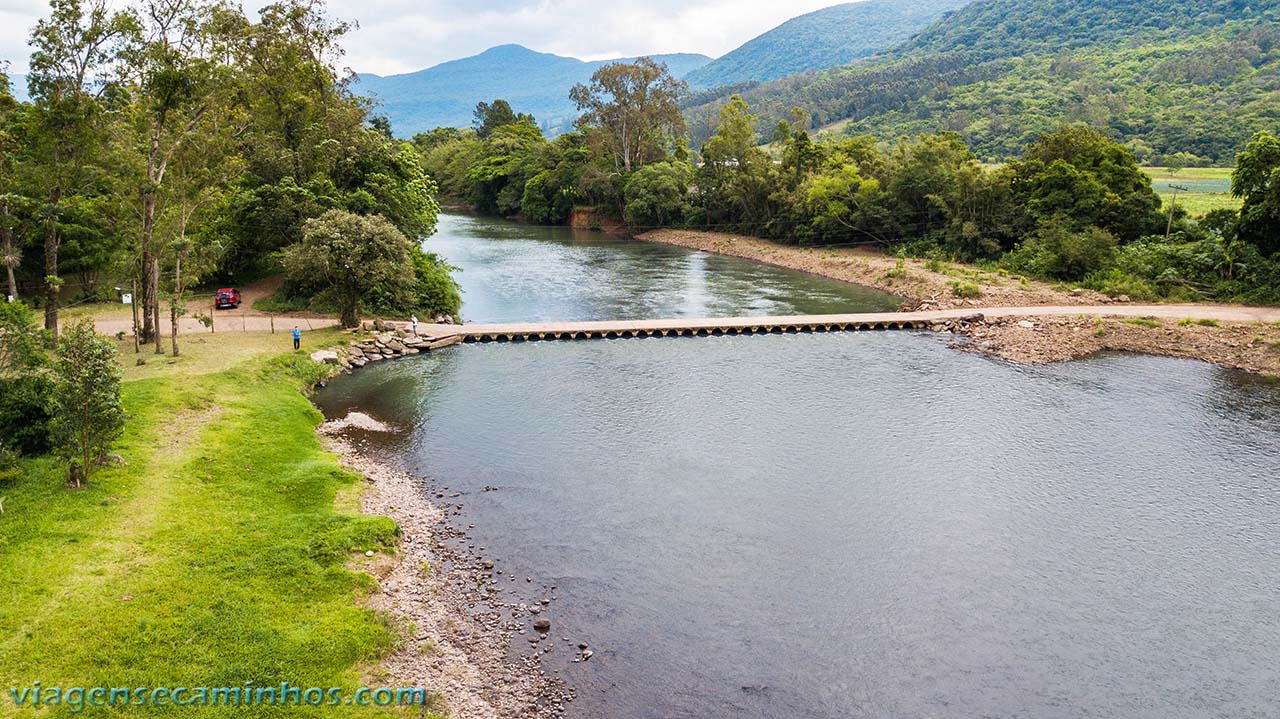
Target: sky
405	35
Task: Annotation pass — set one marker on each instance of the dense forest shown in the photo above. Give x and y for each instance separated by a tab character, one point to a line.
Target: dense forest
1073	206
181	142
1186	77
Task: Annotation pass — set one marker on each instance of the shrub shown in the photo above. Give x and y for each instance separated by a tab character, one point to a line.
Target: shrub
1058	252
1115	282
965	289
88	416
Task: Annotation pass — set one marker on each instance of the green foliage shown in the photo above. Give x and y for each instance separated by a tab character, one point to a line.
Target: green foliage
435	292
965	289
1257	181
87	414
1173	77
351	258
658	195
1057	251
26	382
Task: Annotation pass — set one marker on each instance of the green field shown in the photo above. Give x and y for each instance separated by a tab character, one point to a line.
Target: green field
1210	188
221	552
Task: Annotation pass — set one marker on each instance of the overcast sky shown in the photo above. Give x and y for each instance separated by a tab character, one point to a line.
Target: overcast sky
405	35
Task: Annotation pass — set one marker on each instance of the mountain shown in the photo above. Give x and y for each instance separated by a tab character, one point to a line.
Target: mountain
819	40
1164	76
538	83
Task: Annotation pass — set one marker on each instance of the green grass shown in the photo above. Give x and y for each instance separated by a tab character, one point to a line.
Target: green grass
1141	321
964	289
216	555
1187	322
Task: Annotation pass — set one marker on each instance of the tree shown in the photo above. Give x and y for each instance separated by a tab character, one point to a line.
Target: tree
352	256
489	117
1256	180
74	46
1079	174
176	62
10	254
637	106
657	195
88	416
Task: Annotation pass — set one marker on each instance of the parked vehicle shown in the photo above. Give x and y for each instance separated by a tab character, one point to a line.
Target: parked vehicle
226	297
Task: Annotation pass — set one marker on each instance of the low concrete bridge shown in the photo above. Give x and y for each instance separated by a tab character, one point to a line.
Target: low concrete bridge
715	326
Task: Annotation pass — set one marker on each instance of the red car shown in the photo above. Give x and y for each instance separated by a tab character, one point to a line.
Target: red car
226	297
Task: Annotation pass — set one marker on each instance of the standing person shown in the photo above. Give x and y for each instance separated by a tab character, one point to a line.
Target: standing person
297	337
413	319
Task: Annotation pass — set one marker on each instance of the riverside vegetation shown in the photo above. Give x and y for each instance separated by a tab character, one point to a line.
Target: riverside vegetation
1074	207
181	141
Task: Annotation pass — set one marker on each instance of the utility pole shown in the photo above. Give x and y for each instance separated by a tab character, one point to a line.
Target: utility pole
1173	204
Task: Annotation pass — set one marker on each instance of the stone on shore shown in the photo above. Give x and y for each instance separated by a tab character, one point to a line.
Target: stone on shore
325	356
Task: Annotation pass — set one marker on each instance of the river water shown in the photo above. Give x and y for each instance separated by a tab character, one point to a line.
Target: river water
851	525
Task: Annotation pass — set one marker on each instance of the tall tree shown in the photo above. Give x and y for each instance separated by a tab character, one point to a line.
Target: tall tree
76	46
177	67
491	116
10	255
1256	180
637	106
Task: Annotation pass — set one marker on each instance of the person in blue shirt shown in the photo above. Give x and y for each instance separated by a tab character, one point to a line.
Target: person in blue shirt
297	337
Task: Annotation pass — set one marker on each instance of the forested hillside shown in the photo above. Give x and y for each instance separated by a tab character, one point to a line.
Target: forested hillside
822	39
538	83
1163	77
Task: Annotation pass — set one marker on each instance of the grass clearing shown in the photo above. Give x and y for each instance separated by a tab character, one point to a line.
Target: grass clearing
1210	188
214	556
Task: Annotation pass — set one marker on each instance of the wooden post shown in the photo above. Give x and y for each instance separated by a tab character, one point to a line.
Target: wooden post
273	322
213	311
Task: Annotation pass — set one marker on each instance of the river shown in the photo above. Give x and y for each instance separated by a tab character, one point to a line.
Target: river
845	525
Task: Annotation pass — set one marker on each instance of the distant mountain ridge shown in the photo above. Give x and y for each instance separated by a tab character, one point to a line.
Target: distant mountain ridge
538	83
1164	76
825	38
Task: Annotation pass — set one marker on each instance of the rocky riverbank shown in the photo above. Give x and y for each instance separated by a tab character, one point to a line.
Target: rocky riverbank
1254	347
459	631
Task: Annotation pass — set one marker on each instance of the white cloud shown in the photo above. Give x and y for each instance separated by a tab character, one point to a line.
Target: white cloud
405	35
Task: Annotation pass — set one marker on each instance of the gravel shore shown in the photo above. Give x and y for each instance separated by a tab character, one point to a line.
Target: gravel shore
1251	346
458	631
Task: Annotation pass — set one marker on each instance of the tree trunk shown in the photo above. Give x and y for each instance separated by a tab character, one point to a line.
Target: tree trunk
154	280
173	302
51	267
150	316
8	251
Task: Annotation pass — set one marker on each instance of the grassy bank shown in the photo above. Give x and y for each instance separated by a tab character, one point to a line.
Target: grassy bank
216	555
